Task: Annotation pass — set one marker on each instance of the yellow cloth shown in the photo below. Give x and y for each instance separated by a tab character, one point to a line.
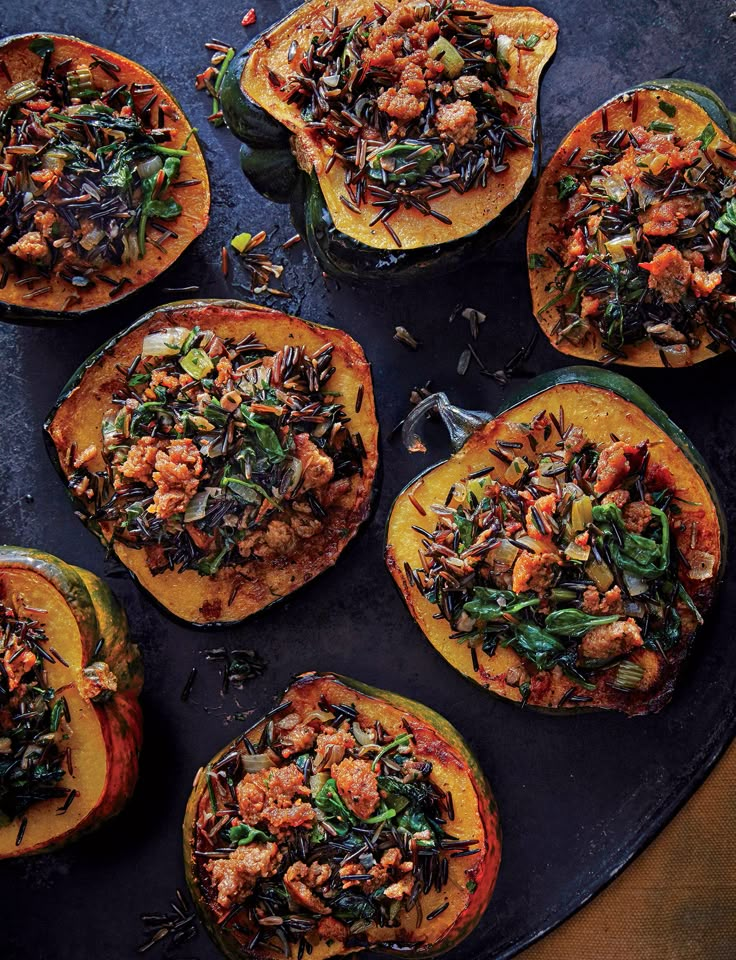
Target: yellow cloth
677	901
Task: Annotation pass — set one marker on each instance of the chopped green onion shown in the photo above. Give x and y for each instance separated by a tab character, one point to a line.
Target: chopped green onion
661	126
400	741
628	676
452	61
669	108
241	242
20	91
196	363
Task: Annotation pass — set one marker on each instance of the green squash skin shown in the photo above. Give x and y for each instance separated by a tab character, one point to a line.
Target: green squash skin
225	943
338	254
606	379
345	258
244	118
272	172
53	455
28	316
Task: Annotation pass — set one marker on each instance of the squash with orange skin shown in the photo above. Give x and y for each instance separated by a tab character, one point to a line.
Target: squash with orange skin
85	624
75	424
287	161
454	768
55	304
602	404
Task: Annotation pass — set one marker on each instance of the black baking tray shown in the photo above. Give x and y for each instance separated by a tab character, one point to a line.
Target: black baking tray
579	795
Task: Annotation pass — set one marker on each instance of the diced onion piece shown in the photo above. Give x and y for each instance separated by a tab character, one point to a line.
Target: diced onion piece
619	248
476	488
254	762
677	354
504	46
635	585
536	545
503	556
701	566
197	507
317	781
515	471
320	715
201	423
544	483
90	240
55	160
581	514
635	608
149	167
165	343
452	60
628	676
575	551
363	737
196	363
600	574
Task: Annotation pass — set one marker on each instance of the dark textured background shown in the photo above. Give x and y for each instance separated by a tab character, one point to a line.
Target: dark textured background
578	795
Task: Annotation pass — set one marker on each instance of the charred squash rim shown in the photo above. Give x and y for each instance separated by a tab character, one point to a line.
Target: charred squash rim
697	106
437	739
195	200
203	601
286	164
617	396
93	628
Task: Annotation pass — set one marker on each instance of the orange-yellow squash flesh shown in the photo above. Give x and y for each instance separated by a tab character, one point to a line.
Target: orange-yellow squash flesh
23	63
600	413
468	212
205	600
547	210
78	610
454	768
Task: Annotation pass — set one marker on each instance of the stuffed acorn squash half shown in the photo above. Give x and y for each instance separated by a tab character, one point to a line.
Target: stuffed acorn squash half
405	133
632	231
566	554
347	819
104	184
223	451
70	722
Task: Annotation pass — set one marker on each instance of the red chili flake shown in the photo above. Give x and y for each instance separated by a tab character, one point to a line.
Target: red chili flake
249	18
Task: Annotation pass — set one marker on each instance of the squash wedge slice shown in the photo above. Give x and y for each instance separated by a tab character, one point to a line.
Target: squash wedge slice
533	640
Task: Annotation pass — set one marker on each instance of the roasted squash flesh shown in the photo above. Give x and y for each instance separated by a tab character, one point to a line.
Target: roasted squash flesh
630	228
89	726
143	178
546	604
268	549
330	926
519	41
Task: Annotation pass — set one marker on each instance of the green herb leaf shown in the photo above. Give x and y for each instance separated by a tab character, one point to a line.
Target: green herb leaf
242	834
642	556
669	108
661	126
490	605
573	622
567	186
41	46
707	136
265	435
535	644
537	261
